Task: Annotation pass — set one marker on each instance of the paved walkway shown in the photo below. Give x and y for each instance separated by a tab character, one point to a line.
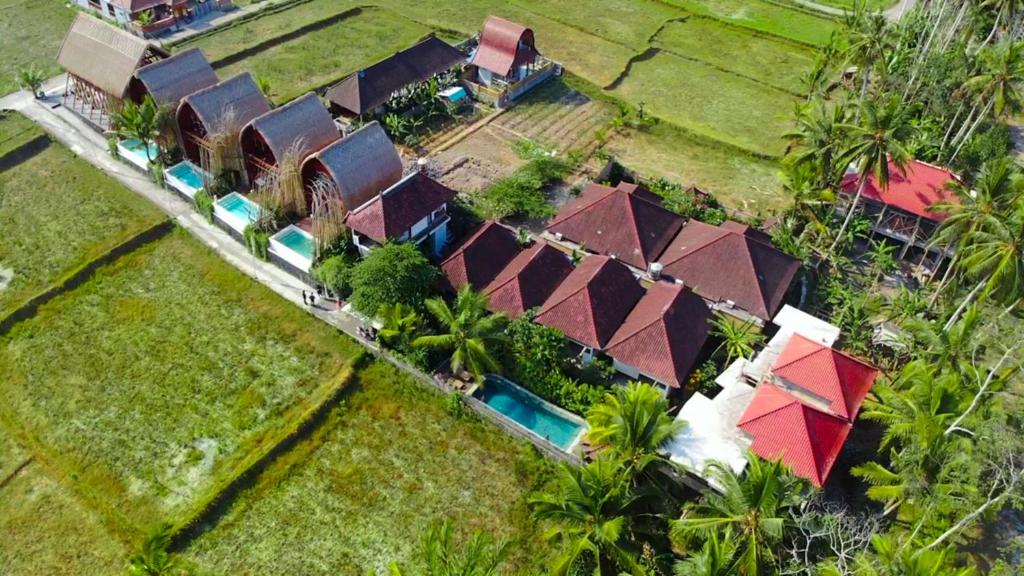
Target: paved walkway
893	13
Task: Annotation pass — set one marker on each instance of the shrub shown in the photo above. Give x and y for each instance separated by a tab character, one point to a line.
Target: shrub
156	172
112	147
257	240
204	205
703	378
522	192
455	404
334	272
392	274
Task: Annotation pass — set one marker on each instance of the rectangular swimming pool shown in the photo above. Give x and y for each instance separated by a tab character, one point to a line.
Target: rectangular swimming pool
531	412
236	211
133	150
295	246
185	177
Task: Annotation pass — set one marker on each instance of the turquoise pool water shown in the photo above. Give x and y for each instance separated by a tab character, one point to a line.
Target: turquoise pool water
297	241
136	147
529	411
238	206
187	173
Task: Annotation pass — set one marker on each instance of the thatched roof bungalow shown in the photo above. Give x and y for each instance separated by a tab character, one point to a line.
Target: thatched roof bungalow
301	126
227	105
171	79
358	166
505	46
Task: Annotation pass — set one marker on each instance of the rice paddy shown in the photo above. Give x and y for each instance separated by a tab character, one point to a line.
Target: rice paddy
30	35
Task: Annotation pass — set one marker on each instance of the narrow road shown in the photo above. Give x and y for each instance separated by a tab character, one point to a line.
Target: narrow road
893	13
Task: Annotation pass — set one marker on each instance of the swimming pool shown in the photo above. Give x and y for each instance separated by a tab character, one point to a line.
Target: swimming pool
185	177
236	211
132	150
295	246
539	417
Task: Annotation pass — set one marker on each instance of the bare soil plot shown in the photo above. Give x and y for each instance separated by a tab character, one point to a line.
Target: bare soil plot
477	161
557	116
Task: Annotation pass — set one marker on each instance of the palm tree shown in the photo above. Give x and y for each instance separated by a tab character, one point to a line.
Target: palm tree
1005	11
738	338
472	335
889	557
946	350
818	139
479	556
997	87
590	508
400	322
876	141
152	558
633	425
754	509
716	557
868	44
139	121
31	79
994	257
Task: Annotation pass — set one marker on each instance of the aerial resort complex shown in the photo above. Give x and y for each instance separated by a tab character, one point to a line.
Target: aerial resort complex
597	288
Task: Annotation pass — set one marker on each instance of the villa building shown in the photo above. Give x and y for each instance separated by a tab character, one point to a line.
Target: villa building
169	80
528	280
151	17
101	61
505	64
904	210
414	209
480	258
291	132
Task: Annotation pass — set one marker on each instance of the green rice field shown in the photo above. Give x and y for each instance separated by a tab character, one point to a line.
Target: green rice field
31	32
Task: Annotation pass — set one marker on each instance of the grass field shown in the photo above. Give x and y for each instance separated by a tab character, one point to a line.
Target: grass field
765	16
775	62
45	529
31	32
56	213
359	493
16	130
160	375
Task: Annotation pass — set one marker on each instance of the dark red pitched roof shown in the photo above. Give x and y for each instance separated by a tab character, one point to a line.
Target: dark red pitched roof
393	212
503	45
626	222
663	334
480	257
731	262
590	305
841	380
807	440
528	280
921	186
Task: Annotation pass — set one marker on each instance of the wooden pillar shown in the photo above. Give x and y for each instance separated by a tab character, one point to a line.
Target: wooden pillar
913	237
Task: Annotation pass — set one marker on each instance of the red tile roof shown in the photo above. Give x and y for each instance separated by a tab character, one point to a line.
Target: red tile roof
731	262
590	305
839	379
807	440
393	212
921	186
528	280
480	257
626	222
503	45
664	333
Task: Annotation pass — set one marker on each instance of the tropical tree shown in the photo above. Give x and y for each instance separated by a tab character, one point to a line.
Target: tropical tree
469	332
152	557
716	557
440	556
400	323
754	509
139	121
868	43
875	141
882	259
818	139
738	339
396	272
590	507
997	87
890	557
1006	11
31	79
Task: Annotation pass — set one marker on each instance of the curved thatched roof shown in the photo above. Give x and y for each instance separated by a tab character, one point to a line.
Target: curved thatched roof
171	79
362	164
503	45
103	55
239	95
303	122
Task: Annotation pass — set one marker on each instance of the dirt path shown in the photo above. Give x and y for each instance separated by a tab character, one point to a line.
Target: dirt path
893	14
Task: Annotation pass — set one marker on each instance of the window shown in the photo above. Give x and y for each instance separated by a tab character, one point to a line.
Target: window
110	10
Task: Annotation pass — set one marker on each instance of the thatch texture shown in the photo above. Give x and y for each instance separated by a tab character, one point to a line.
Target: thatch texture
239	95
360	165
301	126
103	55
170	80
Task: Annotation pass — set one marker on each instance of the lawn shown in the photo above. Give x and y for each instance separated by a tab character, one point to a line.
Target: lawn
869	4
765	16
31	32
16	130
630	23
57	213
359	493
160	377
710	102
45	529
323	56
761	57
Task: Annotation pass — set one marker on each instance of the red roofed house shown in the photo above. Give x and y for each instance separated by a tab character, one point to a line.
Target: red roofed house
412	210
733	266
662	336
528	280
149	17
805	439
592	302
626	222
901	211
480	258
505	63
823	377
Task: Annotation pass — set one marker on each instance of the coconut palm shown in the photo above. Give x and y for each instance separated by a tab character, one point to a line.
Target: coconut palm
716	557
590	509
400	323
875	141
997	87
889	557
472	335
1005	11
755	509
152	558
868	44
633	425
31	79
945	350
993	256
139	121
818	139
738	338
440	556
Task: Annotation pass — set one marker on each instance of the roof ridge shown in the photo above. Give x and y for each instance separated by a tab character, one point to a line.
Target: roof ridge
753	267
633	219
698	248
586	206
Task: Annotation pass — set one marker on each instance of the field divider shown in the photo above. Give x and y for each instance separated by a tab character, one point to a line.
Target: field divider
83	273
24	152
305	419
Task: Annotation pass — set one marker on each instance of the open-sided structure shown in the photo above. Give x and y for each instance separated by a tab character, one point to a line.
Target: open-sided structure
298	128
101	60
355	168
506	63
414	209
171	79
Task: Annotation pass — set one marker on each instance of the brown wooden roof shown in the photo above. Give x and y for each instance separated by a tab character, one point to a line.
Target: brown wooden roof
104	55
238	96
171	79
361	165
303	122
